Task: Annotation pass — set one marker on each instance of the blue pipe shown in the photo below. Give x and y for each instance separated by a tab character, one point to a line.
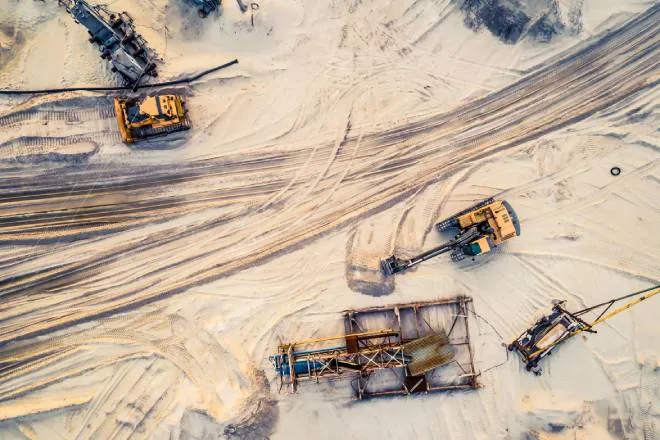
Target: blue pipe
302	366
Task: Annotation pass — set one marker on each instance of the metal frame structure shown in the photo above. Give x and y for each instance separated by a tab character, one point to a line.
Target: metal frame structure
417	325
375	358
572	324
116	38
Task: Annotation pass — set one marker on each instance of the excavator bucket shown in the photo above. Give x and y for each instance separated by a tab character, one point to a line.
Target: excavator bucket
205	7
391	265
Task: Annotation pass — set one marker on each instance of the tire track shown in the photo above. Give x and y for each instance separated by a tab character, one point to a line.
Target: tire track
68	116
387	167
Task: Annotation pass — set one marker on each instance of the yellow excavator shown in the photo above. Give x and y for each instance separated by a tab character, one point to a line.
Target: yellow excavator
479	228
150	116
551	330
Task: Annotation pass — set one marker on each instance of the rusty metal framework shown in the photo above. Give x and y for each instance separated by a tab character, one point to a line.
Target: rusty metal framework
372	353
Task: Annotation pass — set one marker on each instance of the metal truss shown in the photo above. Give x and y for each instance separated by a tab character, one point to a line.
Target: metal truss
369	352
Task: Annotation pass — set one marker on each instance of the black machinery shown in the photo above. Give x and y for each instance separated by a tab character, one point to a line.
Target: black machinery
118	42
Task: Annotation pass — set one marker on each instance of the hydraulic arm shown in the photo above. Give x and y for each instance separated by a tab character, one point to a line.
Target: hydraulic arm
479	228
393	264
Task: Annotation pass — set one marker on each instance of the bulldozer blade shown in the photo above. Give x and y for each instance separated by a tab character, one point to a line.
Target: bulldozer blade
121	122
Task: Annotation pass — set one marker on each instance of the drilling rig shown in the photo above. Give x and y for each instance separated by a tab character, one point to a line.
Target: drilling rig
559	325
481	227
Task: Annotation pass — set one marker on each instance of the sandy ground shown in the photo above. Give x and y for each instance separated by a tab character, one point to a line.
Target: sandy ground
144	287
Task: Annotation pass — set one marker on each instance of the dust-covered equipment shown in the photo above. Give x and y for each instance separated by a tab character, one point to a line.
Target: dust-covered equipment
118	42
480	228
158	115
559	325
399	349
204	7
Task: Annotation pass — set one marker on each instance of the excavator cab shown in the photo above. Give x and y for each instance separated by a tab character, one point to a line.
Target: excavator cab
151	116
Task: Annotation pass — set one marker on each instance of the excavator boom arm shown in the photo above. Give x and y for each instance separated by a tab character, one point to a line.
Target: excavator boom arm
394	265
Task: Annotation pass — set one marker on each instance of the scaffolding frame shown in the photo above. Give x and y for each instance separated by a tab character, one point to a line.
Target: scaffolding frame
408	384
370	352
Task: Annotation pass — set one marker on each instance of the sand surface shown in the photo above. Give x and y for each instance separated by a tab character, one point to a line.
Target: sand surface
142	288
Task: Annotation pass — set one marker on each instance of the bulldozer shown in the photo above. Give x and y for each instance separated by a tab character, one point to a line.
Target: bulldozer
158	115
481	227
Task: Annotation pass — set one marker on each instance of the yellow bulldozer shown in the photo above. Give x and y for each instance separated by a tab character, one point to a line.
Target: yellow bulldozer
151	116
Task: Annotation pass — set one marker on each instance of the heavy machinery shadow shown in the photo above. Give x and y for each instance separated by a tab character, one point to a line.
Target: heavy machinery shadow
172	142
363	272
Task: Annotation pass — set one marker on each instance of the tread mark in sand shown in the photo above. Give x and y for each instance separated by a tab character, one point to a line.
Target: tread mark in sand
69	115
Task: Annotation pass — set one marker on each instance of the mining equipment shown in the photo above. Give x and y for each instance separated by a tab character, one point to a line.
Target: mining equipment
205	7
559	325
417	356
118	42
158	115
407	354
481	227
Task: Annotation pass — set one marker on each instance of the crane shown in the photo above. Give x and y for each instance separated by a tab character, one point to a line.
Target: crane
551	330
